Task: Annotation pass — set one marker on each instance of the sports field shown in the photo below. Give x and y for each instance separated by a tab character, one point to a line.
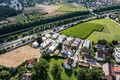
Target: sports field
95	30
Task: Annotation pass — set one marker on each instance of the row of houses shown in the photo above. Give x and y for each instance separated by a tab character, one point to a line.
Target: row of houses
71	47
103	52
69	44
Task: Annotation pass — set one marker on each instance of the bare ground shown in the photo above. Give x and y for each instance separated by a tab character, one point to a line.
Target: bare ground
49	8
18	56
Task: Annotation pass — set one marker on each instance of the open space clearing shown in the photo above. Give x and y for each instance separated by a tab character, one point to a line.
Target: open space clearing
66	74
16	57
48	8
70	7
93	30
32	9
53	9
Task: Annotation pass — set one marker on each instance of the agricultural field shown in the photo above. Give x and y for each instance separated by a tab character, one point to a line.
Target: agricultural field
95	30
60	8
70	7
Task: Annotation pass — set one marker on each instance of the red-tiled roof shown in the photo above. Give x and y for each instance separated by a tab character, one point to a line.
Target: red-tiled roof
116	69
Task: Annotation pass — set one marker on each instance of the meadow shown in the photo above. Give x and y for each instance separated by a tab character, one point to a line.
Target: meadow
95	30
70	7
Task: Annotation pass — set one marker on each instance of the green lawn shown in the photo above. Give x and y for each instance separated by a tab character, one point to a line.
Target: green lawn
70	7
20	18
110	32
66	74
83	30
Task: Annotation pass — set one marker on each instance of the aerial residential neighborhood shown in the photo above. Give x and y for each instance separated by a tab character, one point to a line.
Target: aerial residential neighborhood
59	40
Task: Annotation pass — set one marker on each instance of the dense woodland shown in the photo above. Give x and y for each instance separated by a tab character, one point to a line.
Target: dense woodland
6	11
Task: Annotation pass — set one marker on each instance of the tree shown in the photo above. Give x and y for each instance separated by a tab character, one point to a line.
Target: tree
40	70
110	60
6	11
90	74
96	74
56	71
21	70
114	42
0	51
44	22
39	38
60	46
102	42
82	74
3	51
4	75
45	54
111	50
1	68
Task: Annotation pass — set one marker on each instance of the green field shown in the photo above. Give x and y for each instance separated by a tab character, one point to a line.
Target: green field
20	18
66	75
70	7
95	30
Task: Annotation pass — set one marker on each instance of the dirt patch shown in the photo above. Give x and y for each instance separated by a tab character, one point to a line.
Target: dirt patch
18	56
32	9
48	8
55	13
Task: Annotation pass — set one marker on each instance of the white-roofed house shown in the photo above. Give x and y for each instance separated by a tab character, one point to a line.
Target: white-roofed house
61	38
48	35
86	43
53	47
46	43
35	44
44	38
55	35
117	54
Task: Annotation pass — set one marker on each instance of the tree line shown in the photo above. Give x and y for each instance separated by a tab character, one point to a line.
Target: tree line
108	8
43	27
20	26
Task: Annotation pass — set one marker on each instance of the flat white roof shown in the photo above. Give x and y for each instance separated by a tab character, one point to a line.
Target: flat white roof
86	43
117	52
53	47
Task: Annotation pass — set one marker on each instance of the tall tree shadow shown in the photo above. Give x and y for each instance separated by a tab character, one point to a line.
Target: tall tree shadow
69	72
